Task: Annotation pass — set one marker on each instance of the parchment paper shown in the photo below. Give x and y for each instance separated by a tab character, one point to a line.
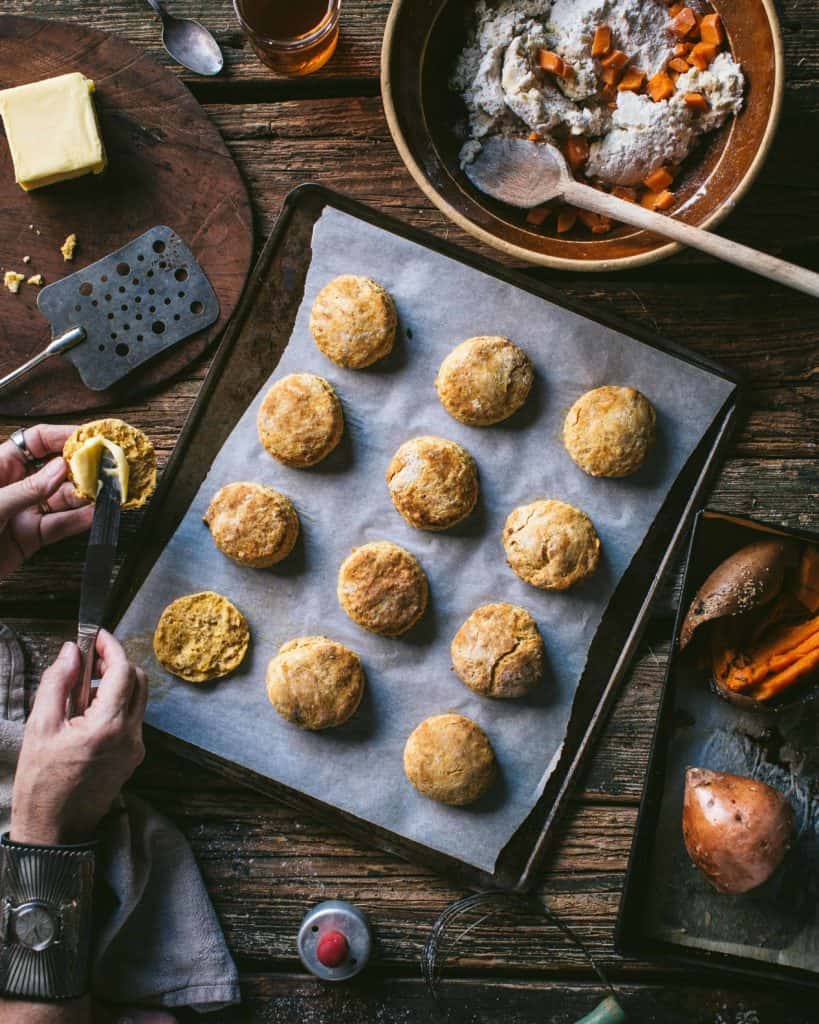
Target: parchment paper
344	502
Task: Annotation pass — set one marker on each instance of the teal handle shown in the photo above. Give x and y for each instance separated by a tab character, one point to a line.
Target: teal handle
608	1012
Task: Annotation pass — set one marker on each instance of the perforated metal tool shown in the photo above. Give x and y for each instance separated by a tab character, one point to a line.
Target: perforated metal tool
124	309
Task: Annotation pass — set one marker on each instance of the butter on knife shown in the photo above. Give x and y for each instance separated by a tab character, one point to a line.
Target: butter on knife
52	130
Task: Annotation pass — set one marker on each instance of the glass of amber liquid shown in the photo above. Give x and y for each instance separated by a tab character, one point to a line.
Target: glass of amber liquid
294	37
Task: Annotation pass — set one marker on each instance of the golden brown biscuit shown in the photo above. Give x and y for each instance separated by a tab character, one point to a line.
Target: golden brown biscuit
300	420
433	482
484	380
315	683
201	637
550	544
610	430
139	454
353	321
498	651
383	588
252	524
449	758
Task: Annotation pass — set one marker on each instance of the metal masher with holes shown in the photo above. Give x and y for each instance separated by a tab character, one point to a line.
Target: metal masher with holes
117	313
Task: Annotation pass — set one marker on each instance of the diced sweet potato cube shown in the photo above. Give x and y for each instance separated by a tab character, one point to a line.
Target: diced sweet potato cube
597	223
616	59
538	216
601	44
696	101
683	22
577	151
674	9
551	62
535	137
611	76
679	64
657	200
624	192
566	219
660	87
702	55
632	80
658	180
711	30
683	49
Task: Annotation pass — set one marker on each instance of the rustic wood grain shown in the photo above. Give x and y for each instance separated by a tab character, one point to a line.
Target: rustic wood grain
167	165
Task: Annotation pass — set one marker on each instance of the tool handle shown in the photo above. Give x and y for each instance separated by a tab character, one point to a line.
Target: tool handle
608	1012
57	345
157	6
80	696
588	198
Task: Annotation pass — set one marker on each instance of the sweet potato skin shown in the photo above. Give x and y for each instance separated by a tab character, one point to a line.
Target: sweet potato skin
736	830
749	578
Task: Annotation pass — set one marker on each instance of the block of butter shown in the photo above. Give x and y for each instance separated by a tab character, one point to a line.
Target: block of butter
52	130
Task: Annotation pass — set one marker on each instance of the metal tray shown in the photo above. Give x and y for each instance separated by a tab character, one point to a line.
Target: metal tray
660	874
250	351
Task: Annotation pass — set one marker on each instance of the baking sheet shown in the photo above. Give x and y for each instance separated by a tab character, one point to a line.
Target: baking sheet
779	921
344	502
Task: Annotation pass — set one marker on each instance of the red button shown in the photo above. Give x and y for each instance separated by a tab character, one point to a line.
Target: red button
332	949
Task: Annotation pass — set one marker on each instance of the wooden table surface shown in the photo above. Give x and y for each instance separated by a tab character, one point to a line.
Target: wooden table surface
264	864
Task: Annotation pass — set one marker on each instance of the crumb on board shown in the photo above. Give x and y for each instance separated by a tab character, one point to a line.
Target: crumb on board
36	279
12	280
26	259
69	246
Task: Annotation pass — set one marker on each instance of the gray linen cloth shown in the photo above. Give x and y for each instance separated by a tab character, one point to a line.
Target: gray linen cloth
157	941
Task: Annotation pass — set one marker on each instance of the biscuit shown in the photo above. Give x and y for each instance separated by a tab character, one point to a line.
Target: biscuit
498	651
315	683
610	430
252	524
383	588
300	420
433	482
484	380
353	321
449	758
201	637
139	454
550	544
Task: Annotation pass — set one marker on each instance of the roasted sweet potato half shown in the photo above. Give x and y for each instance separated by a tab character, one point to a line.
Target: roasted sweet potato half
748	579
736	830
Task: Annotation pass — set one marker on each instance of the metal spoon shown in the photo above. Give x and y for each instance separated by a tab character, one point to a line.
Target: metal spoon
189	43
527	174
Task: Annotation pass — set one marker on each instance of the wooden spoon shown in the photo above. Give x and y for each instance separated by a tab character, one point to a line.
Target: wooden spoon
528	174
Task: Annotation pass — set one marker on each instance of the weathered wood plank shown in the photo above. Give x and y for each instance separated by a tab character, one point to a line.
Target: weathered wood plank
376	997
780	490
359	49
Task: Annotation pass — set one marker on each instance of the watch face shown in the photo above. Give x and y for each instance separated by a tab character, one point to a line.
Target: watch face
35	926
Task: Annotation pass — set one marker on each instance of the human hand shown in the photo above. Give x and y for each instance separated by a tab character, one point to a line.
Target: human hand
37	507
71	769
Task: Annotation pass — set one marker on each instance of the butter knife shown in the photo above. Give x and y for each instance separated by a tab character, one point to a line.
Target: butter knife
96	576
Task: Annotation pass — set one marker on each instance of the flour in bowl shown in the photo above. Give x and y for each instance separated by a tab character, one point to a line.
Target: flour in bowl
528	68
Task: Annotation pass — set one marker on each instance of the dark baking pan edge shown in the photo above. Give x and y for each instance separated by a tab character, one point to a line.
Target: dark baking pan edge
629	939
159	524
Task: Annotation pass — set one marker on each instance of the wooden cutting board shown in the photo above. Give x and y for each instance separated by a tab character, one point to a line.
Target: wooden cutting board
167	165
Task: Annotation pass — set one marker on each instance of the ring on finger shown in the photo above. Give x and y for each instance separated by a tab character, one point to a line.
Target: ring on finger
18	439
45	508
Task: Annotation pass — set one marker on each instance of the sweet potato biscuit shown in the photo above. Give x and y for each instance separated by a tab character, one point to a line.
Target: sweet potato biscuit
383	588
252	524
433	482
353	321
498	651
610	430
484	380
201	637
550	544
315	683
449	758
300	420
139	454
